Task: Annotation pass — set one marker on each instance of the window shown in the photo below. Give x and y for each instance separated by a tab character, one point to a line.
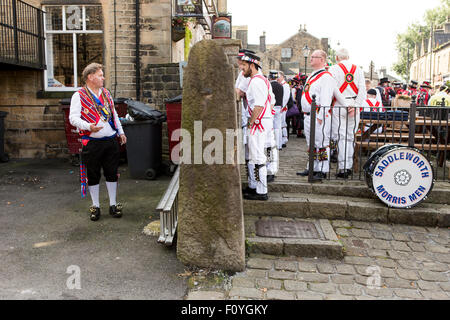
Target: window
74	38
286	53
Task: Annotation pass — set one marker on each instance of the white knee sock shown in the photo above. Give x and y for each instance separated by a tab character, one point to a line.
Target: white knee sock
112	191
94	191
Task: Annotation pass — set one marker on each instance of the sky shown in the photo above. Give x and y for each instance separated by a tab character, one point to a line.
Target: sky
368	29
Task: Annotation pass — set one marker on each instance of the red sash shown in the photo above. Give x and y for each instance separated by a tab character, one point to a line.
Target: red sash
349	79
284	109
258	123
376	106
309	83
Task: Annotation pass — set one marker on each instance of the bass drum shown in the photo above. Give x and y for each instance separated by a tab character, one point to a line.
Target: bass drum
400	176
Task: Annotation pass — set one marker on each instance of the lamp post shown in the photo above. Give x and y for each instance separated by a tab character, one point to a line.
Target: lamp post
306	50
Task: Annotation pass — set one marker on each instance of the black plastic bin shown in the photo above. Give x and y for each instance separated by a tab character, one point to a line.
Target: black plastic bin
3	156
144	148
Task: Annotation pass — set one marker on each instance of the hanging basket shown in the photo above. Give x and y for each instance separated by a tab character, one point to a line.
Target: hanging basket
178	33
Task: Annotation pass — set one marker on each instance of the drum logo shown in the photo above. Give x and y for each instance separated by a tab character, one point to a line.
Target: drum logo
402	178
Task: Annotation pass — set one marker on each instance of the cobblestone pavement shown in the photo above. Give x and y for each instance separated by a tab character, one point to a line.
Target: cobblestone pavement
382	262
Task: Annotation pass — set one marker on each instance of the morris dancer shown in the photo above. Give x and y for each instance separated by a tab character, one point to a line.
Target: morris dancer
92	112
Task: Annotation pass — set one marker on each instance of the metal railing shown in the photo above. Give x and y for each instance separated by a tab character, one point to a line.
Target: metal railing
21	34
425	128
168	211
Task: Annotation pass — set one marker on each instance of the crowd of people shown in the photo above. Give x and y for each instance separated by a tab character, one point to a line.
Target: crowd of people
273	107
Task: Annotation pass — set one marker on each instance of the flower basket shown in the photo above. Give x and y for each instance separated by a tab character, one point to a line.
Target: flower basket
178	33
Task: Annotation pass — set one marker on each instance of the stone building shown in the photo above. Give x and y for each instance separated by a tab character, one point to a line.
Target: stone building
137	41
288	55
431	60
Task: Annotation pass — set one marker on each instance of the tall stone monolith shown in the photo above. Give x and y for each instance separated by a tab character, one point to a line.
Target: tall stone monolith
210	218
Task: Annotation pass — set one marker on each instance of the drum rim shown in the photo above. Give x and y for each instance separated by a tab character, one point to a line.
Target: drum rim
433	180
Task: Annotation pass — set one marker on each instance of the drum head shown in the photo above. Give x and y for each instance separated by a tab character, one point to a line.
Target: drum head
369	166
402	177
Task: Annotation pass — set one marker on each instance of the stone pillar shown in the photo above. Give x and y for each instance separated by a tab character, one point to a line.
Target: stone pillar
210	219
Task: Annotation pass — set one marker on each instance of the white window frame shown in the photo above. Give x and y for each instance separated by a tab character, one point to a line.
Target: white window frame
64	31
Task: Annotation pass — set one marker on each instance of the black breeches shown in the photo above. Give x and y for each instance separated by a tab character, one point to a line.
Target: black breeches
98	154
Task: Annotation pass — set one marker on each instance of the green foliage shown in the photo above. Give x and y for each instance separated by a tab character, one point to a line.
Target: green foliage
416	33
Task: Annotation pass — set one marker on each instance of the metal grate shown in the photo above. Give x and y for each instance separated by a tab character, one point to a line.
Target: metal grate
286	229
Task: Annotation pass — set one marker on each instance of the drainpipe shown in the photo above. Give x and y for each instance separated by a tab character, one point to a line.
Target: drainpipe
138	45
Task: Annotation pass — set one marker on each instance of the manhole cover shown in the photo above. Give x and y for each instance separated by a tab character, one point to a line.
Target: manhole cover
286	229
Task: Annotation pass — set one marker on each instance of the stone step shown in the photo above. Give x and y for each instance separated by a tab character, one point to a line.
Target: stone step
316	206
355	189
326	245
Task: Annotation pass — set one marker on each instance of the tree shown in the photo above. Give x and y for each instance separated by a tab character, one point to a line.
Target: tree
416	33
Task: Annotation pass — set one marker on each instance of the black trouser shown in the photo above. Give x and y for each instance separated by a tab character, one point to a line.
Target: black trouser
99	154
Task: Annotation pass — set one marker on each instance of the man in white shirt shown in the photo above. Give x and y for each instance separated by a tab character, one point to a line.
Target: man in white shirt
351	83
286	95
260	126
92	112
322	85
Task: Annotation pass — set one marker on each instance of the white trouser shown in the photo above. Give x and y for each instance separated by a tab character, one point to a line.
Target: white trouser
284	127
277	125
346	140
322	141
272	152
257	157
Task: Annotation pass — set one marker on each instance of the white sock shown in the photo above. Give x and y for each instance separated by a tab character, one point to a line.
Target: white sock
112	191
94	191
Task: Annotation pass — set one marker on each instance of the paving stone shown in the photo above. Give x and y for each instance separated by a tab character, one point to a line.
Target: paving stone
269	284
380	244
445	286
254	273
286	265
362	280
345	269
418	237
435	295
362	225
383	235
313	277
343	279
358	260
408	274
436	248
433	276
381	226
350	290
400	236
280	295
387	263
442	257
400	246
246	293
205	295
377	253
325	268
308	296
436	266
280	275
322	287
396	255
361	233
353	251
363	270
417	229
291	285
260	264
400	228
341	224
408	264
381	292
387	273
408	293
343	232
365	298
307	267
399	283
417	247
422	257
427	285
339	297
243	282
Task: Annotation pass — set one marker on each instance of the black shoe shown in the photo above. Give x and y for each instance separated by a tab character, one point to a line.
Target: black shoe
270	178
304	173
344	174
95	213
319	176
116	211
248	190
284	146
333	158
256	197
